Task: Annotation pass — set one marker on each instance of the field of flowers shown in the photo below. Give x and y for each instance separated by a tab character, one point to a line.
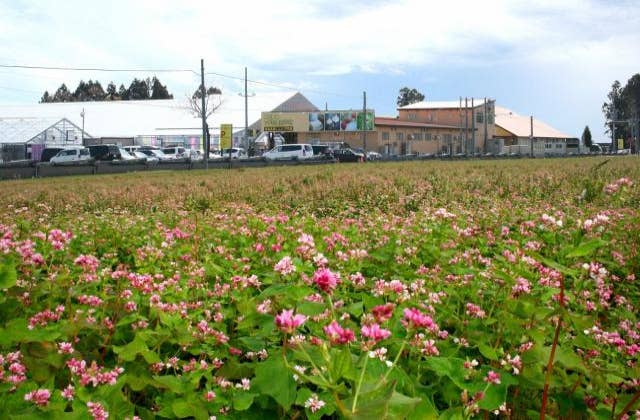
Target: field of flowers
419	290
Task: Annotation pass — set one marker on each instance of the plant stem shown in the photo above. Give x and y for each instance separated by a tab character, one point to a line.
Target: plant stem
547	376
395	361
355	398
630	404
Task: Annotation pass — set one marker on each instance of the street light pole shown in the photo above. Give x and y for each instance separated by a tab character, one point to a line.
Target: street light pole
82	134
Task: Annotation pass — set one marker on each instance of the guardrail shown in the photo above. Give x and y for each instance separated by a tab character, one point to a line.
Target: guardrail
41	170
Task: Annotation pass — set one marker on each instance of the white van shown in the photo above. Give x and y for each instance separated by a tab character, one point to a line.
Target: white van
289	151
68	156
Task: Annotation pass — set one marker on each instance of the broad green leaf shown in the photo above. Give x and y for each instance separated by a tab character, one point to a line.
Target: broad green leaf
183	409
341	365
585	248
274	378
243	400
8	276
425	410
450	367
172	383
400	406
487	351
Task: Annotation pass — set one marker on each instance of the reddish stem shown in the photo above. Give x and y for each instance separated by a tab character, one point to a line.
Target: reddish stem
547	376
629	405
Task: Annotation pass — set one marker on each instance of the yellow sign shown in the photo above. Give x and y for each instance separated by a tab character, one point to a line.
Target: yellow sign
285	121
620	144
226	132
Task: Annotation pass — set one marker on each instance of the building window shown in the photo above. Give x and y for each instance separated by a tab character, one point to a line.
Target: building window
411	116
479	117
558	145
399	136
491	117
447	137
417	136
385	135
548	145
427	136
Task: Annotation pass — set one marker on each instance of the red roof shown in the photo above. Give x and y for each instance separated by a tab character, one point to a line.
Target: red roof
394	122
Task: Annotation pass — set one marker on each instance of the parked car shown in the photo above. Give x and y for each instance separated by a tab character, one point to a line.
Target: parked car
156	153
322	151
289	152
175	152
373	156
104	152
148	159
216	154
131	149
49	152
124	155
348	155
69	156
234	152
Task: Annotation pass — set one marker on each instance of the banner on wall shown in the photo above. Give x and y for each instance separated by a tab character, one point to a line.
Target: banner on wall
226	132
318	121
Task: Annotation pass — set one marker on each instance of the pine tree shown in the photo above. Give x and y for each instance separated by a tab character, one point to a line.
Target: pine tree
46	98
158	90
586	137
112	93
123	93
62	94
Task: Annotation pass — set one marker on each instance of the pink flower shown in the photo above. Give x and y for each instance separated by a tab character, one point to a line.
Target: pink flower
314	403
97	411
383	313
475	311
522	287
68	393
65	348
326	280
374	332
492	377
414	318
285	266
38	397
287	322
338	335
210	396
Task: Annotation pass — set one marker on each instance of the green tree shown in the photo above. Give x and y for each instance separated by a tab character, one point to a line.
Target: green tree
158	90
123	93
586	137
138	90
112	92
95	91
46	98
408	96
62	94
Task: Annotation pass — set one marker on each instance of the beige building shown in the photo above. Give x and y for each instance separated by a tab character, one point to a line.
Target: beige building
524	135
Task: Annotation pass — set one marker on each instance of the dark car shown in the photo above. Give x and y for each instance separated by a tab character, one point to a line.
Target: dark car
49	152
348	155
104	152
322	151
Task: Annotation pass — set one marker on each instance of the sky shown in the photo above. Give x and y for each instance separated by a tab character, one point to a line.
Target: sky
553	59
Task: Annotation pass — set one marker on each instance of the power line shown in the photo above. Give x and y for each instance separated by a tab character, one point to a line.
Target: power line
257	82
16	66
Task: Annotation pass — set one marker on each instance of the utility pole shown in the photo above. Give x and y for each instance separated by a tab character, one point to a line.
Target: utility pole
473	128
82	115
246	113
466	125
460	137
205	137
531	134
364	122
484	147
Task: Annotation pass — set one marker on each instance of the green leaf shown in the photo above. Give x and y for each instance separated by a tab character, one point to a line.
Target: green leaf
425	410
487	351
8	276
243	400
182	409
586	248
273	378
138	346
400	406
341	365
173	383
450	367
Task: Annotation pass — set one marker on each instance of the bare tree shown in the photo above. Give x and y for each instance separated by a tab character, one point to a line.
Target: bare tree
212	102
